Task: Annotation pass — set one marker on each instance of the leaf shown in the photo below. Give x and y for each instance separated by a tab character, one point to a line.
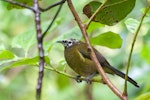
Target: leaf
24	40
5	54
143	11
111	13
47	60
25	2
25	61
20	62
93	26
108	39
145	96
131	24
145	53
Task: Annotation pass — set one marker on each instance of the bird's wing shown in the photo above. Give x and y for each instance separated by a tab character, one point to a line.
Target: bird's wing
84	53
102	59
99	56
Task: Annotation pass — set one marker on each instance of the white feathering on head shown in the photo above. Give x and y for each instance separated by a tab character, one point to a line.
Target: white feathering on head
69	42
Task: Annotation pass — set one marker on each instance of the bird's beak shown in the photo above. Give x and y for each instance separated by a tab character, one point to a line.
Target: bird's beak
59	41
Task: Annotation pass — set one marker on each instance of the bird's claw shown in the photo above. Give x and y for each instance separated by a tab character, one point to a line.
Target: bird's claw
77	79
88	81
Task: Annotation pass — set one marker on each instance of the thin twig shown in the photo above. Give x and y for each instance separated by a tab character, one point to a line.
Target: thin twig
52	21
70	76
88	92
132	47
51	6
93	56
40	47
18	4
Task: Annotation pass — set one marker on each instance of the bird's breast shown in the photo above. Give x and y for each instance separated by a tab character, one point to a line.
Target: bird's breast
78	63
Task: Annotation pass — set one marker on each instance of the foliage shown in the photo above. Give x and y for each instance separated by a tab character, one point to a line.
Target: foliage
111	13
109	39
19	54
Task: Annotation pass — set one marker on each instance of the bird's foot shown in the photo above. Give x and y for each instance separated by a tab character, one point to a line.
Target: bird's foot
77	79
88	81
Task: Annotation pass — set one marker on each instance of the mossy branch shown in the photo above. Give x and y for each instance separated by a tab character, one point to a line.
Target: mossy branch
70	76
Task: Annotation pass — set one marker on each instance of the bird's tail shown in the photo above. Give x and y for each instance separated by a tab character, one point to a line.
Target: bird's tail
122	75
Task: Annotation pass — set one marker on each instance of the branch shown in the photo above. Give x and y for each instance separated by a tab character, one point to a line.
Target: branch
18	4
132	47
88	92
70	76
52	21
51	6
40	47
93	56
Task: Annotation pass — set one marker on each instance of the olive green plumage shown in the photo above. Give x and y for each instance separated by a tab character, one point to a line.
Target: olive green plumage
78	58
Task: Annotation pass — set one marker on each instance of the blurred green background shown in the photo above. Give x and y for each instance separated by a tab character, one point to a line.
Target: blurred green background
17	39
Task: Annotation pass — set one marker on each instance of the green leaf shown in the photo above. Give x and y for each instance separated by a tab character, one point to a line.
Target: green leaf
108	39
26	2
145	96
47	60
132	24
5	54
93	26
111	13
25	61
143	11
145	53
20	62
24	40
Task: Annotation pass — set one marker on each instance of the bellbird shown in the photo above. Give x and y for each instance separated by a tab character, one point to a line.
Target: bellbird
78	58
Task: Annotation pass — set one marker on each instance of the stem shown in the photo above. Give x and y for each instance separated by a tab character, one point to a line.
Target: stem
40	47
54	5
132	47
70	76
18	4
88	92
52	21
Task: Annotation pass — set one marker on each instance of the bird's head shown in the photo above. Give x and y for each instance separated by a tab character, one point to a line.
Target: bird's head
68	43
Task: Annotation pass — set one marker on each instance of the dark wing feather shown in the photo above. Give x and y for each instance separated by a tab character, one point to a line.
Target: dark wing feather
82	48
101	59
84	51
85	55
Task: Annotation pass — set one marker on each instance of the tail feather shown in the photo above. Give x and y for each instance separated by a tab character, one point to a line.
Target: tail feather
122	75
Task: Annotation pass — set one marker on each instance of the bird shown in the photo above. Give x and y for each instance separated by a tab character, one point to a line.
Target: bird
78	58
